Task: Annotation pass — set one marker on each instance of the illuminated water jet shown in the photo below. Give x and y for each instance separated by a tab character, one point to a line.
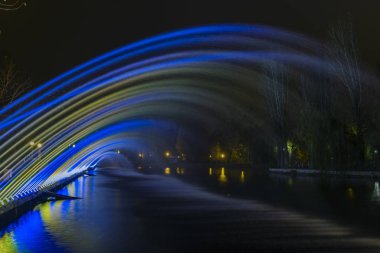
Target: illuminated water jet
111	102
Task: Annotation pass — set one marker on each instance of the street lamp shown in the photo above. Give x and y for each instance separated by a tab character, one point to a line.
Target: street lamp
39	146
167	154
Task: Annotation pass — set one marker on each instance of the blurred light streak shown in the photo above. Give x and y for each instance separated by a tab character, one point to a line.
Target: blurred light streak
107	103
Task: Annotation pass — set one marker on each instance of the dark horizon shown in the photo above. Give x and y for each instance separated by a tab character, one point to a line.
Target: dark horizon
47	38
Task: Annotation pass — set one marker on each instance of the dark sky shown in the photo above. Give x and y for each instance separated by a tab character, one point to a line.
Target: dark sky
50	36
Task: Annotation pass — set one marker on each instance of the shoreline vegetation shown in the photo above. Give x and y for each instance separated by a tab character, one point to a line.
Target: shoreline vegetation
316	172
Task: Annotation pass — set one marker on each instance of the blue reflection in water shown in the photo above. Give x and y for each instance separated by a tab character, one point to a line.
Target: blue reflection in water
103	219
45	228
30	233
91	224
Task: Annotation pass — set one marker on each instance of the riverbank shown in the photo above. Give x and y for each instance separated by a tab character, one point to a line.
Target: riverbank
15	208
314	172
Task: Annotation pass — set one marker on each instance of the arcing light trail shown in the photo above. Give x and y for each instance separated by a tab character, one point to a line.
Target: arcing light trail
107	103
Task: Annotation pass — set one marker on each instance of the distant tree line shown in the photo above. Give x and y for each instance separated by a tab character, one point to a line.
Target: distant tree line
315	120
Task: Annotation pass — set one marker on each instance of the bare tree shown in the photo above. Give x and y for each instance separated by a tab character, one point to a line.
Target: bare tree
314	127
346	64
12	83
276	97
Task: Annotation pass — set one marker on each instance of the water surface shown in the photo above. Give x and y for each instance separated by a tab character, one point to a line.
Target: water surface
198	209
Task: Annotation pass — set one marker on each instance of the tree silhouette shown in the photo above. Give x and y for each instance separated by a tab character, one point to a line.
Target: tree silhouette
12	82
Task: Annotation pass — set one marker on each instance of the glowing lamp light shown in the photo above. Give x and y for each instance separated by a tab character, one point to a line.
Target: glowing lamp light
222	176
39	145
32	143
242	176
222	156
73	145
167	153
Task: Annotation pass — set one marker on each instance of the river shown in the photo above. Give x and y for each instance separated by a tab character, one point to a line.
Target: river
198	209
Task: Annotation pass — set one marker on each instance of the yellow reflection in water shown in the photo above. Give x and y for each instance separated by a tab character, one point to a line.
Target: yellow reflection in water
72	189
242	176
58	220
167	171
222	176
46	212
350	193
210	171
180	171
290	181
52	213
7	244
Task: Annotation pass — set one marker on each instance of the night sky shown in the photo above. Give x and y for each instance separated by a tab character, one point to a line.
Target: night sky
50	36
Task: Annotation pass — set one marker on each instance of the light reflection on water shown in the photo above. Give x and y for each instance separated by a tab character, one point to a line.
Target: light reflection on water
102	215
51	225
242	176
223	175
324	194
72	225
7	243
376	192
350	193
